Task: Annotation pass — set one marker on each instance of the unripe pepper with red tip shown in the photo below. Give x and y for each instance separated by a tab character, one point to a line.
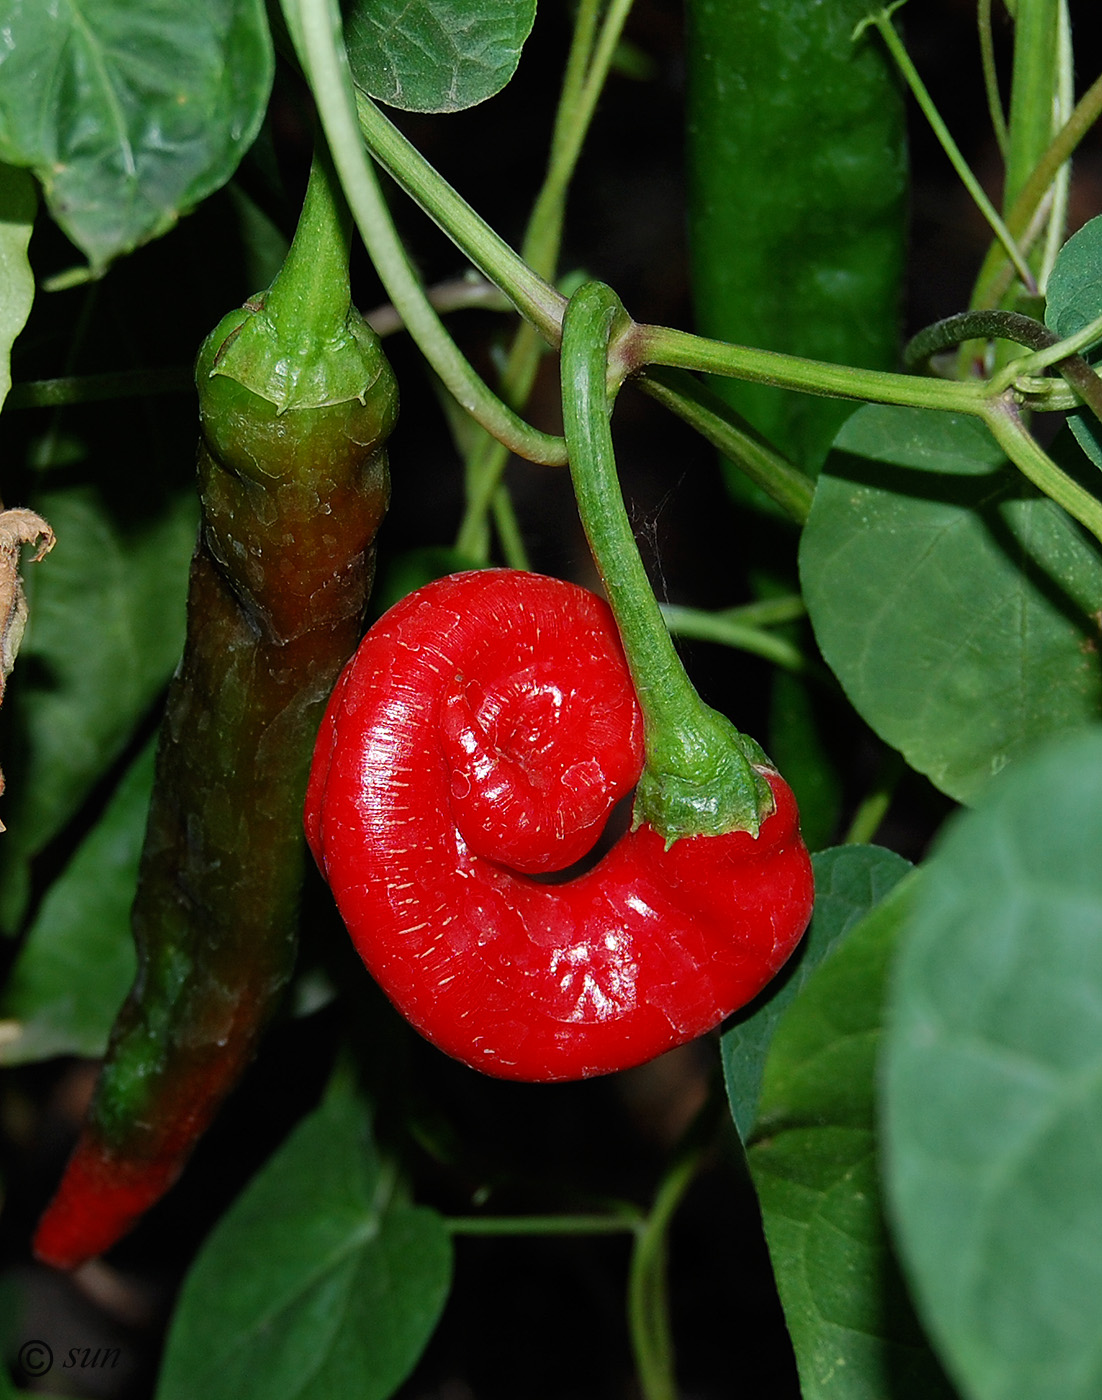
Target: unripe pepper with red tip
296	402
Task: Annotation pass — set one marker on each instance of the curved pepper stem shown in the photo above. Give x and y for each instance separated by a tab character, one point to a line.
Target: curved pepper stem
702	777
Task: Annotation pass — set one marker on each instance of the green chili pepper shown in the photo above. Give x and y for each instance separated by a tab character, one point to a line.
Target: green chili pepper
797	178
296	401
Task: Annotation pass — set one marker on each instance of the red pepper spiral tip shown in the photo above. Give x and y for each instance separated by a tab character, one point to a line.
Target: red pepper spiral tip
482	733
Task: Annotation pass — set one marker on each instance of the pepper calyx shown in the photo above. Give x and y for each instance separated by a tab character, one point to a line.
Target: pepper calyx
705	780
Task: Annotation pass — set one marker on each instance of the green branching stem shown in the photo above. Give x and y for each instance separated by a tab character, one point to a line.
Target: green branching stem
315	26
661	345
1033	85
648	1303
727	431
735	627
894	44
534	298
1047	347
586	70
995	405
315	29
1004	421
1022	219
96	388
627	1221
991	77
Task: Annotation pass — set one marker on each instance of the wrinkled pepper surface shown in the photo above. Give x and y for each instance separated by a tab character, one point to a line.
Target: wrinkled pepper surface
475	745
296	402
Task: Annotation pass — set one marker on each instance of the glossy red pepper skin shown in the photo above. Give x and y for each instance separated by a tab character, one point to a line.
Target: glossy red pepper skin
480	737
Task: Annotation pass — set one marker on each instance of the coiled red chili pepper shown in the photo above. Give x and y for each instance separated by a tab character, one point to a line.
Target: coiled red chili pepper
481	736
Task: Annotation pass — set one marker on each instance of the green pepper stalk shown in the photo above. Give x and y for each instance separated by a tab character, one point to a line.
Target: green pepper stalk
702	777
296	401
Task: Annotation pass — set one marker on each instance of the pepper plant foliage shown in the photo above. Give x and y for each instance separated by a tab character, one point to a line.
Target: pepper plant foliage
892	578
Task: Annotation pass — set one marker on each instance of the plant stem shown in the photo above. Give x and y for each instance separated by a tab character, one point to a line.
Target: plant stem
705	411
991	76
586	70
534	298
627	1223
1066	356
661	345
1045	346
93	388
1036	29
699	776
996	273
648	1308
509	532
910	73
315	29
1006	427
1063	100
874	806
455	294
728	629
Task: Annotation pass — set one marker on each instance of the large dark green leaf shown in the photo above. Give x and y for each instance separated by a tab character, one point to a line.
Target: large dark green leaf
106	630
435	55
849	882
130	111
993	1084
1074	299
957	607
317	1283
815	1168
78	961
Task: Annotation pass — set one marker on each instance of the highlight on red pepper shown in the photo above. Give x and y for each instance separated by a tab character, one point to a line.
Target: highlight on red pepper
477	743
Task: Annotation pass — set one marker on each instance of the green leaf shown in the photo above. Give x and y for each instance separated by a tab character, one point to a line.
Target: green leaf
957	607
105	630
151	105
849	881
316	1283
78	961
815	1168
435	55
1074	299
993	1084
18	202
